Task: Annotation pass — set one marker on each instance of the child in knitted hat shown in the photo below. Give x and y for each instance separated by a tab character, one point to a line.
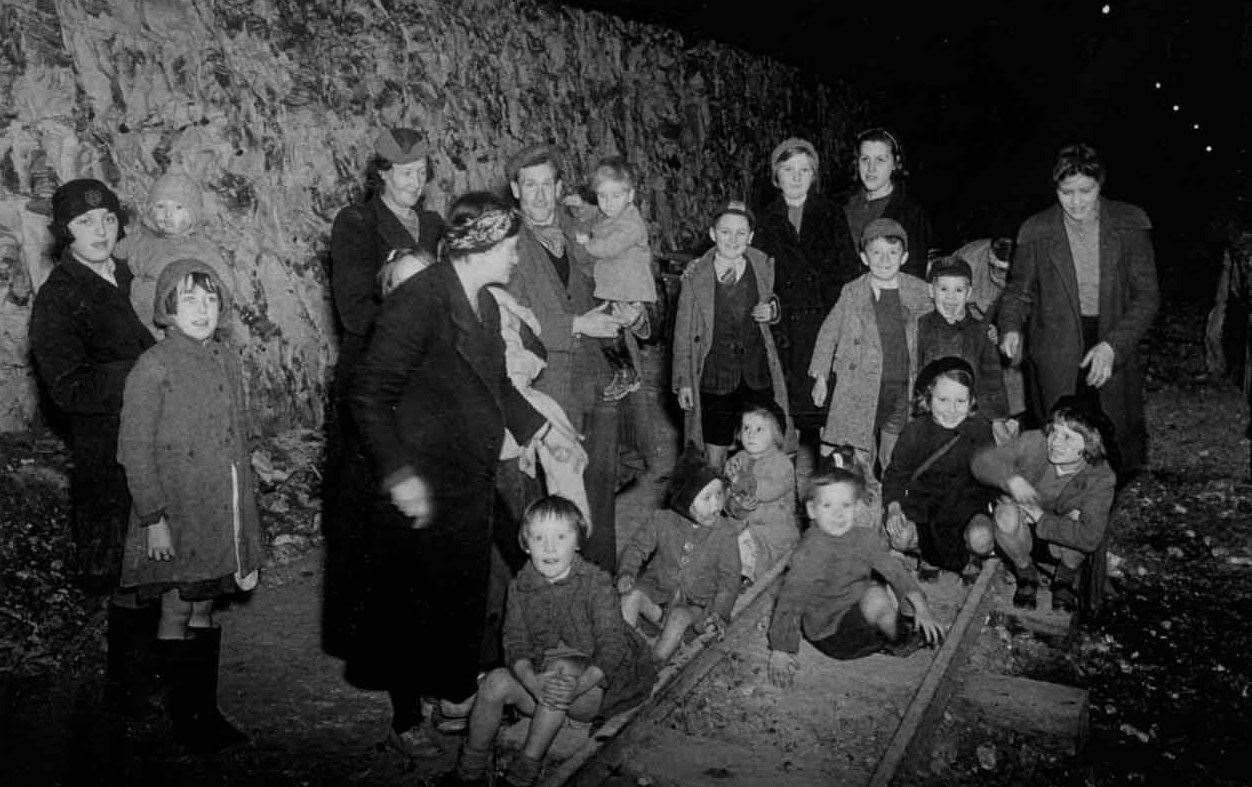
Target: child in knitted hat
171	228
692	553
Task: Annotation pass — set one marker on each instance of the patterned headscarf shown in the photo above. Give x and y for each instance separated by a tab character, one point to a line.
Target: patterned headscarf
481	233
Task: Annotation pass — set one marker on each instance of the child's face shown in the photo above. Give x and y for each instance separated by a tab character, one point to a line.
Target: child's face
171	217
884	257
613	196
756	433
795	177
951	294
197	312
552	543
1065	446
833	508
874	164
708	504
732	235
949	403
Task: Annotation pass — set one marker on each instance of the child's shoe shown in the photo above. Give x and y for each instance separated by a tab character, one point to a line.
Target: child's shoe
973	567
1063	598
909	640
1027	588
415	743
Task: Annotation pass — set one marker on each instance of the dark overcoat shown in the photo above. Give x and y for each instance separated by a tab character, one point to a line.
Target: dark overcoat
1042	297
432	399
85	337
810	268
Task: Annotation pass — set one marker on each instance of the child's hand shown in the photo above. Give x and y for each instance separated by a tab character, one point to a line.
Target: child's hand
565	448
782	668
1023	492
763	312
1075	515
412	497
582	237
1032	511
625	584
927	624
686	398
819	392
900	531
160	542
558	689
714	625
1004	429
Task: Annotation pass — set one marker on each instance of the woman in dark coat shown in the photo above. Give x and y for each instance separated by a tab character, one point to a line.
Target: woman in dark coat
432	399
85	337
805	234
362	237
881	194
1083	288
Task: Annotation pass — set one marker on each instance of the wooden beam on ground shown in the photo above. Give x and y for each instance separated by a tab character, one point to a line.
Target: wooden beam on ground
1050	713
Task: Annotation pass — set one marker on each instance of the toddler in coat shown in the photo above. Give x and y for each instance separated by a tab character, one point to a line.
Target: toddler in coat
832	594
195	533
568	652
869	340
616	237
763	484
692	574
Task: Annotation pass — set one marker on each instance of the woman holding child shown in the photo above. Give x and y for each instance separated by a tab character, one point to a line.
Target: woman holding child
433	399
1083	289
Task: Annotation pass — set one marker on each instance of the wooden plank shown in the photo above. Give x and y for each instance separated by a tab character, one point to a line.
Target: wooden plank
926	708
1047	711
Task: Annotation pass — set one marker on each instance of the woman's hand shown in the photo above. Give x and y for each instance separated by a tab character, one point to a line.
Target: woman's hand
782	668
686	398
625	584
1011	346
819	392
763	312
160	542
597	324
565	447
1099	364
412	497
1022	492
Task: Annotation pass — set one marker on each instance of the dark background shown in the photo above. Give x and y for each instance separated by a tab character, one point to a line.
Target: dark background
983	94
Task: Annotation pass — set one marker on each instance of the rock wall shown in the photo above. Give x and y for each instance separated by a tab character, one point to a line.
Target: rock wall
270	105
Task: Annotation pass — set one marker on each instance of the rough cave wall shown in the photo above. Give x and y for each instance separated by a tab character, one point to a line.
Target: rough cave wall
270	104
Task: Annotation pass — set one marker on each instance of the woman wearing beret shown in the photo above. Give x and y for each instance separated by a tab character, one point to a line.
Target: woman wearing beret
389	218
881	194
1080	296
805	234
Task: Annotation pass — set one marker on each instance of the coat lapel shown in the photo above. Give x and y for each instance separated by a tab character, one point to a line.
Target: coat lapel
391	232
1063	258
472	339
703	282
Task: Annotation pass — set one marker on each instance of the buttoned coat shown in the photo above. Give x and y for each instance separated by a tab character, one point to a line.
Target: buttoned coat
693	332
1042	297
848	344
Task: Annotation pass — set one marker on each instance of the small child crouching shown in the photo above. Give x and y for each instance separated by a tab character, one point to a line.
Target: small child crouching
1057	487
763	491
569	653
831	595
692	578
195	532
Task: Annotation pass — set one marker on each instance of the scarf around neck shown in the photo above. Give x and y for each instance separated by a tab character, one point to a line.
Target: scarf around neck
550	236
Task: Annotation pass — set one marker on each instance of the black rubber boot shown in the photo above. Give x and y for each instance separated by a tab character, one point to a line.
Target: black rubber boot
191	667
1063	596
132	666
1027	587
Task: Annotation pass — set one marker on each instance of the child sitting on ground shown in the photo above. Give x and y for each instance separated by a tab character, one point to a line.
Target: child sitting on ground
869	339
568	651
935	506
952	330
831	593
692	577
768	478
617	238
1057	487
194	532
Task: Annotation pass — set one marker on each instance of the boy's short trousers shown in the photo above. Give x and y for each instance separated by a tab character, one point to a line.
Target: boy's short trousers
720	414
854	637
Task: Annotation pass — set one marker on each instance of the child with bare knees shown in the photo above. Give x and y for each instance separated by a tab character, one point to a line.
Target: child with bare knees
692	578
617	238
569	653
935	506
763	496
831	594
1057	487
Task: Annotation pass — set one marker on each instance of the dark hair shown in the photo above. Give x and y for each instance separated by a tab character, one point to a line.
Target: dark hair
769	415
533	157
1077	414
199	279
1077	159
552	507
887	138
406	138
830	475
1003	249
475	224
613	168
735	208
957	374
62	238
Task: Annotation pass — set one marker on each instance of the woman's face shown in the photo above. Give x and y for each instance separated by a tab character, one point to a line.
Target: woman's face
499	261
875	164
1079	196
95	235
403	183
795	177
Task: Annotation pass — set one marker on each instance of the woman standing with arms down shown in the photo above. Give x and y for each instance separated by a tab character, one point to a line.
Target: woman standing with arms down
1081	294
433	399
881	194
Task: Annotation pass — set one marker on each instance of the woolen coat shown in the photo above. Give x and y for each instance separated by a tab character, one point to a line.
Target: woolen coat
693	333
432	398
184	444
1042	297
810	268
849	345
85	337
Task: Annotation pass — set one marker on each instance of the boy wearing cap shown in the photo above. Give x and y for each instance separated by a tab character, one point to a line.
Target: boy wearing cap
869	341
953	330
